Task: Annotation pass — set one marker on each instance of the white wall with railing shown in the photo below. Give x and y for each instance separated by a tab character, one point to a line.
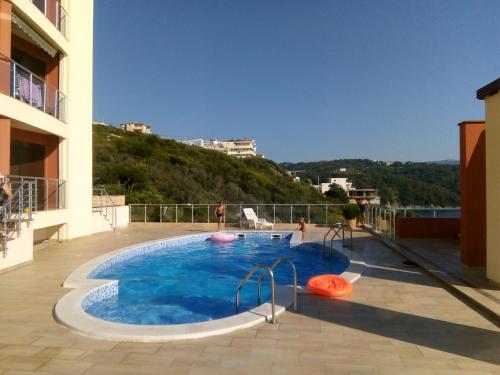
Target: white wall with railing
204	213
383	220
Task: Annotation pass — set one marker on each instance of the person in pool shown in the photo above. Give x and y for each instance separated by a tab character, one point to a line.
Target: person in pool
219	215
302	228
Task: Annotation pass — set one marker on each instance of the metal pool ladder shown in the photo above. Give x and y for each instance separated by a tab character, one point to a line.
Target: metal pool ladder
268	271
338	230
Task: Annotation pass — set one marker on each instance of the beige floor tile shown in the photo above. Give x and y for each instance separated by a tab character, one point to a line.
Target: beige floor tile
20	372
147	359
22	363
103	356
136	347
63	366
396	321
20	350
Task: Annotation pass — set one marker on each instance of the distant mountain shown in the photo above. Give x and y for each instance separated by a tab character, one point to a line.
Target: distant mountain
401	184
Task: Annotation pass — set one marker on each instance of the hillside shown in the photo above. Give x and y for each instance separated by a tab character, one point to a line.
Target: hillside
148	169
402	184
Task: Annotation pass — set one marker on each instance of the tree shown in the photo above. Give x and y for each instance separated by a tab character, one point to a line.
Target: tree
338	193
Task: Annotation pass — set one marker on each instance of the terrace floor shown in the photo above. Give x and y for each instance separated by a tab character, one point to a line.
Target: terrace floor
445	254
398	320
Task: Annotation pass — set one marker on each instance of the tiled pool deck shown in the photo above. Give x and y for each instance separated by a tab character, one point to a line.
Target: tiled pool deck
397	321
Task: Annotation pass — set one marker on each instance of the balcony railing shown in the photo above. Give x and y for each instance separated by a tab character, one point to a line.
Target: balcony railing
55	12
383	220
48	193
33	90
204	213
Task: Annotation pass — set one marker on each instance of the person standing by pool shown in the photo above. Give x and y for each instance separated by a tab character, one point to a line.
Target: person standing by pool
219	214
302	228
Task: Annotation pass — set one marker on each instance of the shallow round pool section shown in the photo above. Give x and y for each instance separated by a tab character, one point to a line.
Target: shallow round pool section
186	285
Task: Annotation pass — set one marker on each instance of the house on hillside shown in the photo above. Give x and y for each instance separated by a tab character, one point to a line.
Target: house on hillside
355	195
240	148
137	127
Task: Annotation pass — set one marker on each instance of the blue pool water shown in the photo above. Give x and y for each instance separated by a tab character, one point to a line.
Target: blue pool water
197	281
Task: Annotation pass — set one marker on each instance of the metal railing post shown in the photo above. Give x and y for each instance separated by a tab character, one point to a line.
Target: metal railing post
291	214
31	88
274	214
144	213
176	213
161	213
308	214
208	213
326	214
192	213
46	205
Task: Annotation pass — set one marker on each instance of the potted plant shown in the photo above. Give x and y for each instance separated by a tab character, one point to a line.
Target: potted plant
351	213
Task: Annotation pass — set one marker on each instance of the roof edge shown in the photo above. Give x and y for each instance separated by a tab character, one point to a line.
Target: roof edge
490	89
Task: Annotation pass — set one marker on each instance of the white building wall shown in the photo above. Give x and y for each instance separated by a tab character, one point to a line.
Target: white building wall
77	158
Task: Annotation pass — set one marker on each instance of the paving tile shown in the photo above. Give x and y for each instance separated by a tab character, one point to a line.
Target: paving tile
22	363
60	353
18	372
136	347
103	356
20	350
66	366
397	321
147	359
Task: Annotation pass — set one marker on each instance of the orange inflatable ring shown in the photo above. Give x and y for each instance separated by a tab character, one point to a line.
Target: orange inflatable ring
329	285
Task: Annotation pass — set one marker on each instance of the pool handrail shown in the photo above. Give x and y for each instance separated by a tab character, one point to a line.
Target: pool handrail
245	280
273	266
336	228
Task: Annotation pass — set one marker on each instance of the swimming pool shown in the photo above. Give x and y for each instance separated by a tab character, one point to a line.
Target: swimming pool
196	281
178	286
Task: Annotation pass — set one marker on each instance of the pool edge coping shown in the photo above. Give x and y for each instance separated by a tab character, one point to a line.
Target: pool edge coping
69	312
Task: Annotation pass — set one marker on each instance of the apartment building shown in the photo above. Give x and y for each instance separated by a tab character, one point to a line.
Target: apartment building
240	148
490	94
355	195
45	121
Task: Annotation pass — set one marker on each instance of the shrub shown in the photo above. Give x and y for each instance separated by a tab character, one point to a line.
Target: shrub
351	211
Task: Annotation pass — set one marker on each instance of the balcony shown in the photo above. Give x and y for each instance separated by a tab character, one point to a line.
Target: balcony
47	193
33	90
55	12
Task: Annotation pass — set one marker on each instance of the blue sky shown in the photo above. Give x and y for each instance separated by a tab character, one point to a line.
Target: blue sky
309	80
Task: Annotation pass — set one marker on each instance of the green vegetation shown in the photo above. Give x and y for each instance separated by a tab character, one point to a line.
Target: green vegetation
402	184
351	211
337	192
148	169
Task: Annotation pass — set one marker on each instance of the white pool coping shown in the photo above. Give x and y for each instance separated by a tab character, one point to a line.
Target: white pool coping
69	311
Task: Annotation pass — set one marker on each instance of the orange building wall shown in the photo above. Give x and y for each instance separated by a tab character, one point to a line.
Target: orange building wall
5	32
427	227
473	192
51	143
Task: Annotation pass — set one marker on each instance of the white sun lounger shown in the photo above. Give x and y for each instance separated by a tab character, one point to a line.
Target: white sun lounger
253	221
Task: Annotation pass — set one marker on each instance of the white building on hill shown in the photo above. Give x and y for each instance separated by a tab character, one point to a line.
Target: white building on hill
137	127
240	148
359	195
